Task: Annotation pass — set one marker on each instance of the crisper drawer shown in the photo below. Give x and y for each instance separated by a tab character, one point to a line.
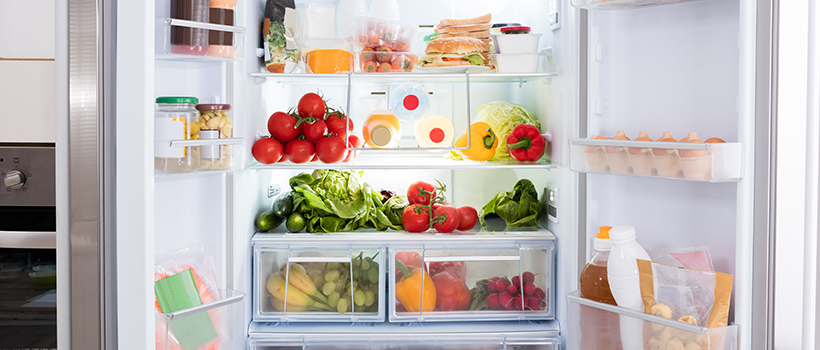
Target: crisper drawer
594	325
321	282
502	281
214	325
527	335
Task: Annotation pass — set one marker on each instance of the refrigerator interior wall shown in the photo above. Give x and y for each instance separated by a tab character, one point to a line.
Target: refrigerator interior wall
666	68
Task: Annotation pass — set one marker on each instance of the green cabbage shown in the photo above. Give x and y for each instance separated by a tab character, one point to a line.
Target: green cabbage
502	117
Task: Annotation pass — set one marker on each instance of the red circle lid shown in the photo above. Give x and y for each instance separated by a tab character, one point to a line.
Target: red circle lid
509	29
411	102
436	135
213	107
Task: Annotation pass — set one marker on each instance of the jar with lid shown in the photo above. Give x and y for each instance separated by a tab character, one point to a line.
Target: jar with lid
187	40
176	118
215	123
221	42
382	129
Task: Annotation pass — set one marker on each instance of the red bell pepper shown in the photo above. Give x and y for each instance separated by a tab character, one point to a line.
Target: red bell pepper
451	293
525	143
457	268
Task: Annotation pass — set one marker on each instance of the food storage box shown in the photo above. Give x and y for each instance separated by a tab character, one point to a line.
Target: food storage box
323	282
384	60
215	325
713	162
516	63
591	323
325	56
375	33
215	123
516	43
512	280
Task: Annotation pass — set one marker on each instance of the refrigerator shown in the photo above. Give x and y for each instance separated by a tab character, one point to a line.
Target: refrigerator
702	66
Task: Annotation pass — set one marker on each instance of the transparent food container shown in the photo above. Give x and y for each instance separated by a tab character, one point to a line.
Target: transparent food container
176	118
512	281
516	43
618	4
713	162
316	282
214	123
215	325
385	60
516	63
325	56
375	33
586	316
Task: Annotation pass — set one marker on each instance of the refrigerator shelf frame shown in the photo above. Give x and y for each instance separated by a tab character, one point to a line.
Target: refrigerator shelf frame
341	78
394	159
619	4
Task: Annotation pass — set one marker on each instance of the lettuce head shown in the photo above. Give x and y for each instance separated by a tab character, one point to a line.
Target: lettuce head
502	117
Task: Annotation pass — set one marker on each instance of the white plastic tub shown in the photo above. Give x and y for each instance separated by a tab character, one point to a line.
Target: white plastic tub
516	63
516	43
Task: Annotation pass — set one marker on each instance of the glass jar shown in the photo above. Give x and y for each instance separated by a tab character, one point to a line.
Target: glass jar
187	40
176	118
215	123
221	44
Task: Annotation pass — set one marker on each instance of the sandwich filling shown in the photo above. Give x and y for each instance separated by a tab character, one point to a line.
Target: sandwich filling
473	58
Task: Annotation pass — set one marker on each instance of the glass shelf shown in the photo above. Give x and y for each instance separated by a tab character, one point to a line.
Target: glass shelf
618	4
401	77
383	159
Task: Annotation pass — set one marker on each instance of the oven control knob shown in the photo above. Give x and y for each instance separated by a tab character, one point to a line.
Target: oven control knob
15	180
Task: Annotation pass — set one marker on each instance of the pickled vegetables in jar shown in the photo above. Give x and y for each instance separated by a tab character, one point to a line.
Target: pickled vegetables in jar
215	123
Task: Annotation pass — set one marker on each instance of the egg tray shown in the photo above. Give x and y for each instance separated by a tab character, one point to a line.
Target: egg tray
712	162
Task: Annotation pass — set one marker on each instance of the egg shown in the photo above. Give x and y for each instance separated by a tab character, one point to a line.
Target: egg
642	136
620	135
667	137
691	153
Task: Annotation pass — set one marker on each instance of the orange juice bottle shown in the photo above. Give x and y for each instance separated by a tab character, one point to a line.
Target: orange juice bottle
382	129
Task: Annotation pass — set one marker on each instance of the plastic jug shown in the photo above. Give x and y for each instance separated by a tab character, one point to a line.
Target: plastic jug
346	12
382	129
434	131
409	101
600	329
384	9
625	283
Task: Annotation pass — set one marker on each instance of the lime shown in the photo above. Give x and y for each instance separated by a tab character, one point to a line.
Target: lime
295	223
268	221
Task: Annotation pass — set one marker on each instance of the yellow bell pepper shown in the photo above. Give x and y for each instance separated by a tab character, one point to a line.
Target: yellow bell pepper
409	290
483	142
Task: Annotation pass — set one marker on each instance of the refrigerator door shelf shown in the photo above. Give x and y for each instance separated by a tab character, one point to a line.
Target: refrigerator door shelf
226	313
618	4
324	266
530	335
218	53
709	162
584	332
383	78
407	159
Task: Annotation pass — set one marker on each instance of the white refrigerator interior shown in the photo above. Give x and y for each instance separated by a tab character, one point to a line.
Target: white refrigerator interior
682	67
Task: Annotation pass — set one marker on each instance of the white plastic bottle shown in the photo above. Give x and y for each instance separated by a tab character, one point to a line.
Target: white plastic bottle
625	283
384	9
346	13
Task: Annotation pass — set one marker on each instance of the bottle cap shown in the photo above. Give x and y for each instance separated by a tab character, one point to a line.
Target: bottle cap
621	234
602	242
381	135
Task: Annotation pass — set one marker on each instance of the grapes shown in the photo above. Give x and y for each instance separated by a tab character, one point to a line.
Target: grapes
333	265
359	298
365	265
332	275
373	276
328	288
357	272
352	285
333	299
370	298
342	305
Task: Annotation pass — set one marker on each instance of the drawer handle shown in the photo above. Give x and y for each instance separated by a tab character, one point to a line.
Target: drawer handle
472	258
308	259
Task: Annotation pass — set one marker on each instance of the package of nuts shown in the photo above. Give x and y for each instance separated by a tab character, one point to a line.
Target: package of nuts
215	123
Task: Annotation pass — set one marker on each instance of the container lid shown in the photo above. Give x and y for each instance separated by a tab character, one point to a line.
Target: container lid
213	107
623	233
515	28
177	99
381	135
501	25
602	242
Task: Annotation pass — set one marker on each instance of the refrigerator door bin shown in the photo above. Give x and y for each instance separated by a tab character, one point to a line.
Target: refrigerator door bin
189	40
185	328
317	282
584	331
510	266
617	4
710	162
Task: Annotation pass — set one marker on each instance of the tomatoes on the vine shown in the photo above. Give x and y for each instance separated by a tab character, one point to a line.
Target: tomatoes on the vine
469	216
446	219
353	141
311	105
283	126
267	150
421	192
299	151
331	149
315	131
336	124
416	218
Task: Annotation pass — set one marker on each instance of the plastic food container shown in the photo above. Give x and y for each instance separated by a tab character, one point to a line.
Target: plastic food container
215	123
496	29
515	30
221	44
176	119
186	40
375	33
521	43
516	63
325	56
385	60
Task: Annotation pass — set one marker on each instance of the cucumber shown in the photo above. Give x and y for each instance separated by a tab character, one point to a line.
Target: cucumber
296	222
283	206
268	221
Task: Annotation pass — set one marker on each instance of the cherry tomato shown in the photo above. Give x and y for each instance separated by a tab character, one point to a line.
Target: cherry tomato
283	127
299	151
311	105
469	216
314	132
416	218
353	141
267	150
446	219
331	149
336	126
420	192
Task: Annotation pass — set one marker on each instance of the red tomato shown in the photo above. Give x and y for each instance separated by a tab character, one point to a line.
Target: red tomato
446	219
416	218
336	125
284	158
314	132
267	150
311	105
331	149
283	127
421	192
299	151
353	141
315	158
469	216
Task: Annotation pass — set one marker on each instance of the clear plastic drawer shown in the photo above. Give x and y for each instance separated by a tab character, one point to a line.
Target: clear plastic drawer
512	281
218	324
594	325
324	283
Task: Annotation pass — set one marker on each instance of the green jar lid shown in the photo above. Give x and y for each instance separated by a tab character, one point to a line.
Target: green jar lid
166	99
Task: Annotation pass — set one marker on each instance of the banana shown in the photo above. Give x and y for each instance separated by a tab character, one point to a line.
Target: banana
279	305
276	286
299	279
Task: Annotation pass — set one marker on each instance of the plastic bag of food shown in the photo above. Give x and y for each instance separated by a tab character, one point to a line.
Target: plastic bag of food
693	258
696	297
279	29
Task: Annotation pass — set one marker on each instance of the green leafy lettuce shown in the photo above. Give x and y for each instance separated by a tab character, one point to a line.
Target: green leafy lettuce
519	207
474	59
339	201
